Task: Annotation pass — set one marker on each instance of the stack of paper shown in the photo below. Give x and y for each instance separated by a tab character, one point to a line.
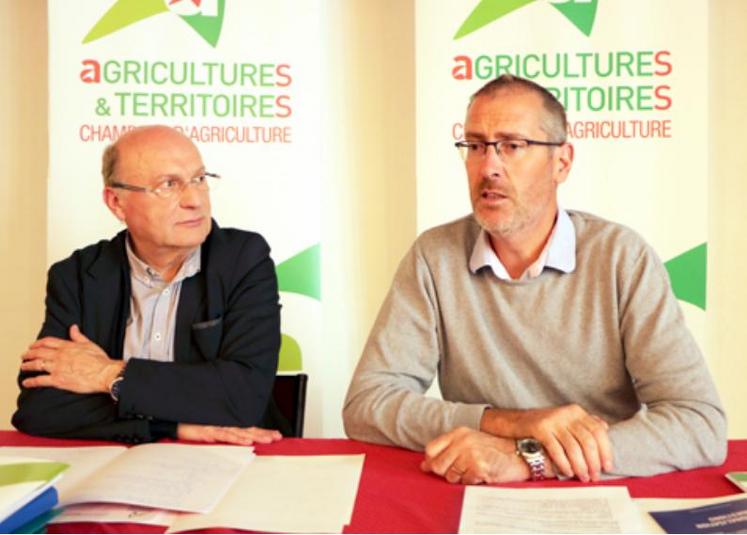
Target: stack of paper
549	510
26	490
156	484
175	477
290	494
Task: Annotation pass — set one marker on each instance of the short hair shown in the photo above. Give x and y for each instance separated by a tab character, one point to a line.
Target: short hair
109	164
554	123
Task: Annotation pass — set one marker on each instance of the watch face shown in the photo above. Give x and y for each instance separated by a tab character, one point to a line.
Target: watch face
530	446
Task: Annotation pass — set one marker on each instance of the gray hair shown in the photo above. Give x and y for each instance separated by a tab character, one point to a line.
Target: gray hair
554	122
109	164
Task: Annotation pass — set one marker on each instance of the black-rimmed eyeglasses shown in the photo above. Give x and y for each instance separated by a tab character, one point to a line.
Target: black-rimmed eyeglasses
509	149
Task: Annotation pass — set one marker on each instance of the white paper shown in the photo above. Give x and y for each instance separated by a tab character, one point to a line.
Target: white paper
649	525
115	513
549	510
83	462
166	476
311	494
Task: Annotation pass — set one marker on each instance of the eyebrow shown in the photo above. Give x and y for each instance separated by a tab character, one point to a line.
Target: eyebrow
499	136
167	176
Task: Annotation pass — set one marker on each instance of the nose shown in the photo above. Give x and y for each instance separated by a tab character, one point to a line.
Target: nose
191	196
491	164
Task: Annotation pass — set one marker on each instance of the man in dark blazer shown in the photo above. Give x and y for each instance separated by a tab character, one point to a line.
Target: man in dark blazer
171	328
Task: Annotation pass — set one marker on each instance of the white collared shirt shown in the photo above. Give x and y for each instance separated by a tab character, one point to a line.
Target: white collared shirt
559	252
153	304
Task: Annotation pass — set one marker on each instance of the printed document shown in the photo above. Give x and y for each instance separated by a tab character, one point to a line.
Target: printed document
177	477
549	510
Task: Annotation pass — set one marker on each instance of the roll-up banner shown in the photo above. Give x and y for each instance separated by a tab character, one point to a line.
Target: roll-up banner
633	77
241	79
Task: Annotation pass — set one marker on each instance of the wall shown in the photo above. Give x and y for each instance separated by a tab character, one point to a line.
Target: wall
727	232
370	156
23	176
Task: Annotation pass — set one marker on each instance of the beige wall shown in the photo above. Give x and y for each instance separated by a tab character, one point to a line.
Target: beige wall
727	232
370	156
23	175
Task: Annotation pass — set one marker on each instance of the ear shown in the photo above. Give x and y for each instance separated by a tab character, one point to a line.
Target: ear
563	162
114	203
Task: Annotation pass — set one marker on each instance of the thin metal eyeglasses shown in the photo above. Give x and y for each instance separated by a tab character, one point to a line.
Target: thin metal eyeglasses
171	185
507	148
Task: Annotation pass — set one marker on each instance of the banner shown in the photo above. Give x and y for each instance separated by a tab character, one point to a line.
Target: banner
633	76
242	80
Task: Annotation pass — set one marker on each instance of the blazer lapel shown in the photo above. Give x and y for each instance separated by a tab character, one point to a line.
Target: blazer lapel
191	300
107	313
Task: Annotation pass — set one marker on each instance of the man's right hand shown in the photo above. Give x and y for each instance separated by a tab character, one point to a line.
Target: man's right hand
576	441
242	436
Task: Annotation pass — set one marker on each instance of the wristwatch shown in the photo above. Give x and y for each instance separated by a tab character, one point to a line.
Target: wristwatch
116	385
531	451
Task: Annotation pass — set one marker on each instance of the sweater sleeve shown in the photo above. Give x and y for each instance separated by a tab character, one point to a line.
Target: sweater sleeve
681	423
386	401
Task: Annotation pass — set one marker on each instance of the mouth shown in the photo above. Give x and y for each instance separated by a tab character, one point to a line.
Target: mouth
191	223
492	196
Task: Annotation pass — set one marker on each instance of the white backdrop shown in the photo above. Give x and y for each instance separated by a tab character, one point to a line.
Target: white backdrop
640	73
243	80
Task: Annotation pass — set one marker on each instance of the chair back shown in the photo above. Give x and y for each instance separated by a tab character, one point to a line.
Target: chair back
289	395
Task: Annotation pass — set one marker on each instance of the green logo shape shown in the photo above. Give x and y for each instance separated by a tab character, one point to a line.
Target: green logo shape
126	12
580	13
289	359
300	273
687	273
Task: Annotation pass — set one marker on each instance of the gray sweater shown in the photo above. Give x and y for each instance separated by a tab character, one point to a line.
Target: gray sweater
609	336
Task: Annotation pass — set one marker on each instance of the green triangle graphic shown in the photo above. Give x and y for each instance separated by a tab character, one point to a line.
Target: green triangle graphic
580	14
687	272
486	12
208	27
123	13
290	355
300	273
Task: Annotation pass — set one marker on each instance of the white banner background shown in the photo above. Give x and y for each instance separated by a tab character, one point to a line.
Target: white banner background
269	187
657	186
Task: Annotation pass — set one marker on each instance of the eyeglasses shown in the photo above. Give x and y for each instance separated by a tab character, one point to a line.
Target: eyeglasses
508	149
171	185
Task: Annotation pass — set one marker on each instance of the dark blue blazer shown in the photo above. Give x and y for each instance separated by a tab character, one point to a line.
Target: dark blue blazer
225	346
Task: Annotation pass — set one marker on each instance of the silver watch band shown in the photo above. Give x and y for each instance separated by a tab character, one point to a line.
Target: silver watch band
531	451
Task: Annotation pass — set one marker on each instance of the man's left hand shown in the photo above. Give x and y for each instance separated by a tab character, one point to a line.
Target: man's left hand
77	365
470	457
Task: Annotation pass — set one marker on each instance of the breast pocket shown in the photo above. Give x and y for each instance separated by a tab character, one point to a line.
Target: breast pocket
207	336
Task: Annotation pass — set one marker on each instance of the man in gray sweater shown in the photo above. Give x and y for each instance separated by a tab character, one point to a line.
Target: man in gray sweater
559	347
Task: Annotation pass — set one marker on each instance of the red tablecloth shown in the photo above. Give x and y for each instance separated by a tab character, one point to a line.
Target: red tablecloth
395	496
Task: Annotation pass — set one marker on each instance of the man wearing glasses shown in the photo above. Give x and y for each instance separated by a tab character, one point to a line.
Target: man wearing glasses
558	345
171	328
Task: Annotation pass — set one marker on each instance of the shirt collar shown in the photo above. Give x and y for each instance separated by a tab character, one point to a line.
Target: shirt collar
150	277
559	252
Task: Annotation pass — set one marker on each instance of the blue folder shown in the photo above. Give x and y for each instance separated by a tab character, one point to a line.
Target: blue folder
38	506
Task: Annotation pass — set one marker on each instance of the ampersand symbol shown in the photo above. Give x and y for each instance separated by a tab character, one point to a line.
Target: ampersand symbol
101	108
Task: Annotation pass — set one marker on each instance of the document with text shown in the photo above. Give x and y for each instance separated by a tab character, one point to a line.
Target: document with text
549	510
176	477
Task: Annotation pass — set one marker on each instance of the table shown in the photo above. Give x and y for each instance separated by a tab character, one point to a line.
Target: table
394	496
